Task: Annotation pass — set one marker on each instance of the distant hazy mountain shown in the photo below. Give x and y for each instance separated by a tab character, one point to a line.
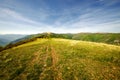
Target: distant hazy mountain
7	38
3	42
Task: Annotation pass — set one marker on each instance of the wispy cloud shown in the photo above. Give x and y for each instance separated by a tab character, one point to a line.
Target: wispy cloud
59	16
8	13
109	2
94	20
17	23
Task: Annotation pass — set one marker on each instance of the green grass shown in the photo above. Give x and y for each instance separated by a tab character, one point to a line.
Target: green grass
108	38
60	59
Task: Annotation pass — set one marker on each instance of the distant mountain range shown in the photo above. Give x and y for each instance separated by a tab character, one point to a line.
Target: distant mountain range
7	38
109	38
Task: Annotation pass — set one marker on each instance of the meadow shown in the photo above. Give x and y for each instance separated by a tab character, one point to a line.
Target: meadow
60	59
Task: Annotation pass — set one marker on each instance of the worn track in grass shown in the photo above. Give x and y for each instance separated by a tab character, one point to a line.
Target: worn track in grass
60	59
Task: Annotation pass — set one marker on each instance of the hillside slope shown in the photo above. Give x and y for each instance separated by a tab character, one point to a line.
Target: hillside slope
109	38
60	59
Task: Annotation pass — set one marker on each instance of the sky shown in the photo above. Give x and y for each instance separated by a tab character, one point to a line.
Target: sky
59	16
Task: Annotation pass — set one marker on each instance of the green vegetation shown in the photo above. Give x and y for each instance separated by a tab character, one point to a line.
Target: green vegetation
1	48
110	38
60	59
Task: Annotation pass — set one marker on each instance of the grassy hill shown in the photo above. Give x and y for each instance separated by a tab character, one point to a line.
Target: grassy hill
109	38
60	59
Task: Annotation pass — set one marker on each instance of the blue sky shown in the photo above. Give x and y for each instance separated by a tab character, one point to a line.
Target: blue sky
59	16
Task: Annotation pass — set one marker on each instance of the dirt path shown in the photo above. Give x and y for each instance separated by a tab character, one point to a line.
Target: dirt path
31	63
55	60
51	60
54	57
48	58
36	56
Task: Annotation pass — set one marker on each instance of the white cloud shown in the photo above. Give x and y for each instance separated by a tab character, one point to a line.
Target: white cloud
12	14
109	2
14	22
88	19
17	28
